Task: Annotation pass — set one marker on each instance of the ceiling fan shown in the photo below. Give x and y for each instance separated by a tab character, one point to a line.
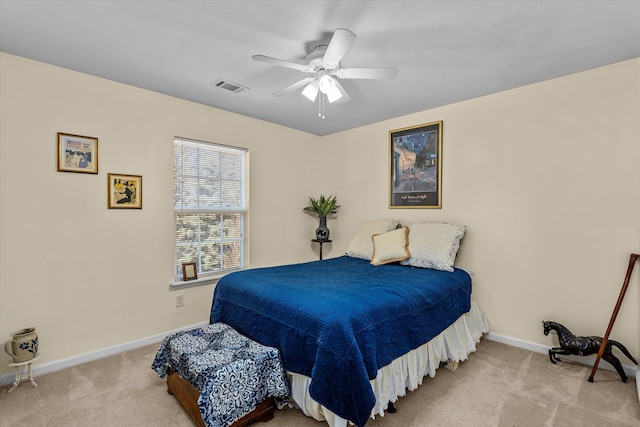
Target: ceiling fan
324	65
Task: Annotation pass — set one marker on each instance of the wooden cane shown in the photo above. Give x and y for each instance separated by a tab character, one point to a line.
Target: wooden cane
632	261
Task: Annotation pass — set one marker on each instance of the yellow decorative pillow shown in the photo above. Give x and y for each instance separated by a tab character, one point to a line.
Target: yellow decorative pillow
362	246
392	246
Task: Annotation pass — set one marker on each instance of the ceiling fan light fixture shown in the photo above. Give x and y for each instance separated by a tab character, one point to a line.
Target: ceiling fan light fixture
325	82
311	91
333	94
324	64
327	86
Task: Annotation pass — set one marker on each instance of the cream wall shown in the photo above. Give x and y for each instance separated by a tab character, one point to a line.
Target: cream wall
546	178
89	277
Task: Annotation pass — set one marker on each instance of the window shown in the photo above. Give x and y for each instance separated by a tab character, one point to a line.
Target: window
209	202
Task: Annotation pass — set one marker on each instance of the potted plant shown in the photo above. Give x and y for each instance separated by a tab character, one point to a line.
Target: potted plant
322	207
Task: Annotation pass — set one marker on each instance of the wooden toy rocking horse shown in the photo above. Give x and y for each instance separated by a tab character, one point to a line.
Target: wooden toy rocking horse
584	346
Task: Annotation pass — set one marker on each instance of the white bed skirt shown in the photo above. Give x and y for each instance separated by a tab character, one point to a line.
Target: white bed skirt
404	373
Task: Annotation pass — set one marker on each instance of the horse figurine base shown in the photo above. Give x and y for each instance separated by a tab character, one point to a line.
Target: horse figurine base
584	346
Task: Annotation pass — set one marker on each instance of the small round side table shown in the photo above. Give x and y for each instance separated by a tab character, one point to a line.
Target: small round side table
19	366
321	242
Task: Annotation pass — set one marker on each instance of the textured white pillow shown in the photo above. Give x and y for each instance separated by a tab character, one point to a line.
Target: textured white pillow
434	244
392	246
362	246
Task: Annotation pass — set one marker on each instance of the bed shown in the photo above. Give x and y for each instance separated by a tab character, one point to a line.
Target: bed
339	322
355	332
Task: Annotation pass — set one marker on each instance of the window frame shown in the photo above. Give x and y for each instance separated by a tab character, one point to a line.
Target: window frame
243	210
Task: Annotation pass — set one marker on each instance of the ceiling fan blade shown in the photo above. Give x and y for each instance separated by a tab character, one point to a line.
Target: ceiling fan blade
340	43
345	96
293	86
379	73
281	63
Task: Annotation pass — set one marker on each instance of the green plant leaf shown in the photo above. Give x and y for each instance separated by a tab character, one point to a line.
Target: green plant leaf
323	206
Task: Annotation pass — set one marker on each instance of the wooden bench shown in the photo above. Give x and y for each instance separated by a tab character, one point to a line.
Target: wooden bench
206	367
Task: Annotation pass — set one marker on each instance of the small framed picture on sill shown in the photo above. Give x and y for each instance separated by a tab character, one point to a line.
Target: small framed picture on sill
189	271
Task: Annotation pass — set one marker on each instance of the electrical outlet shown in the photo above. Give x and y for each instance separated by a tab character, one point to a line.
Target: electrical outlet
179	300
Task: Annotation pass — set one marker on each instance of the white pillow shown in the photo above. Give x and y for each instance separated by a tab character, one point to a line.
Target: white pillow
392	246
362	246
434	244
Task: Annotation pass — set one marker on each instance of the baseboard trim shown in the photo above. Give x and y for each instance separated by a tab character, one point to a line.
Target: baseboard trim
98	354
132	345
631	371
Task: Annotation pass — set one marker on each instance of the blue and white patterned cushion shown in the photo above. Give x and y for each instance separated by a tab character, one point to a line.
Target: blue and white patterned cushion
434	244
233	373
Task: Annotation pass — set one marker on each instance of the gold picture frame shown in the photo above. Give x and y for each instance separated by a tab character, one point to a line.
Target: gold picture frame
125	191
415	166
189	271
77	153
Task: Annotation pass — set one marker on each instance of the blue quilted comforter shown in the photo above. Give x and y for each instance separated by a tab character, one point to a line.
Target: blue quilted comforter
339	320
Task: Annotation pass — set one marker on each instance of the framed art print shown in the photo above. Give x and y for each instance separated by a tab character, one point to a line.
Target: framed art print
189	271
125	191
77	153
415	170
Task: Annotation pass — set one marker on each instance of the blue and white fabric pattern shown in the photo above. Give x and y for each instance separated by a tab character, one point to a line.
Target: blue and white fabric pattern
233	373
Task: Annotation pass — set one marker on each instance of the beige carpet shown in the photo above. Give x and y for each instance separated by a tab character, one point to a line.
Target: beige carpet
498	386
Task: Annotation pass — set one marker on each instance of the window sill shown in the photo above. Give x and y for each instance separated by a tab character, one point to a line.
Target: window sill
205	280
180	284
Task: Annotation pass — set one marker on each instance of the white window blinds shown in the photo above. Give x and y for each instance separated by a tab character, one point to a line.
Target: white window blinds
209	205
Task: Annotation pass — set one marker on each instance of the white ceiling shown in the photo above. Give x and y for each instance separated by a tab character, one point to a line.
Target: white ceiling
445	51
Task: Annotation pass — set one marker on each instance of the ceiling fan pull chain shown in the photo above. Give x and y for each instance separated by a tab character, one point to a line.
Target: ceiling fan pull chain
321	105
